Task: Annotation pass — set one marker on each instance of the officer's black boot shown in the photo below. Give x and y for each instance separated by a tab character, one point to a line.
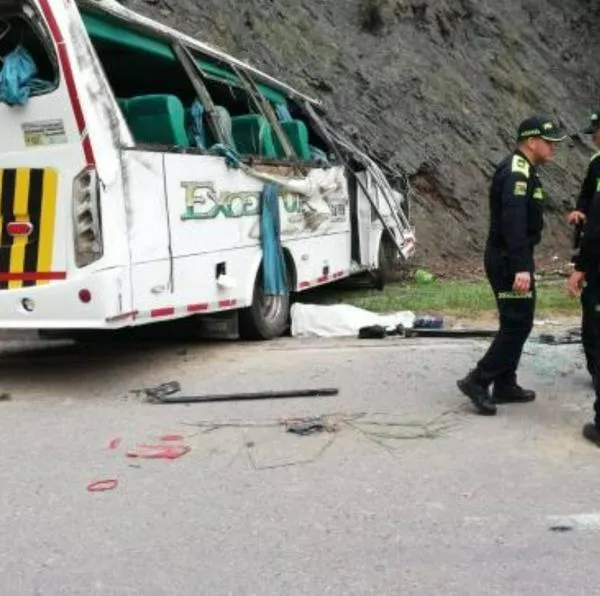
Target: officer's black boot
512	394
476	390
592	433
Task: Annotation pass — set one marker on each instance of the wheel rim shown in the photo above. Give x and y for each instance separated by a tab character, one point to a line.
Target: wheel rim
270	307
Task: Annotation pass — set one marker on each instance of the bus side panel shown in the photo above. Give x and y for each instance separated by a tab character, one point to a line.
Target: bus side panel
320	259
214	209
210	206
149	239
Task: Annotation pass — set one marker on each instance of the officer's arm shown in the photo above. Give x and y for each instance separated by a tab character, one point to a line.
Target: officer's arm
514	222
587	255
580	261
583	254
588	188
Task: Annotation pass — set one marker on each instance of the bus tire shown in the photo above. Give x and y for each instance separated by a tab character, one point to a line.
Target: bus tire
388	261
267	317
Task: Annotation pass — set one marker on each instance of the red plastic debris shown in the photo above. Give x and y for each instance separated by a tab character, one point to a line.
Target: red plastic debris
168	438
114	444
159	451
103	485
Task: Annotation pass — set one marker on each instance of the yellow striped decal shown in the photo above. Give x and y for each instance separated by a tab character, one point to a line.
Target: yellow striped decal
20	213
28	195
47	223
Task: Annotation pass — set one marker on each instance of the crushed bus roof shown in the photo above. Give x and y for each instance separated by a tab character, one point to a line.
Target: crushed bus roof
117	10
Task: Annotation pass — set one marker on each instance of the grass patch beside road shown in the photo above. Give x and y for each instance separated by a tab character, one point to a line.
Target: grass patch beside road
452	298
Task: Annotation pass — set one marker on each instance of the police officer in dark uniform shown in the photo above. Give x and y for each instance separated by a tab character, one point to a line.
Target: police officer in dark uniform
587	270
516	221
578	217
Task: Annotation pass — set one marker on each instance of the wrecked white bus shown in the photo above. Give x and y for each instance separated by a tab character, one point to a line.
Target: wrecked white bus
145	176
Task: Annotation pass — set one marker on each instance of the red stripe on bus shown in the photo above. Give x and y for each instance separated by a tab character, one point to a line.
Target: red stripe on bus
126	315
34	276
227	303
197	307
162	312
69	80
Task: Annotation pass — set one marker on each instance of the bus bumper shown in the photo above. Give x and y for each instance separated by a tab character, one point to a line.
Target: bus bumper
90	301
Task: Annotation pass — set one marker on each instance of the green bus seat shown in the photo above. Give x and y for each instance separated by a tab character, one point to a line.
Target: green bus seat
253	135
157	119
297	134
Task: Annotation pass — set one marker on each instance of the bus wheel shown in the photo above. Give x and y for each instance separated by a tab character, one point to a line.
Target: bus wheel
267	317
388	261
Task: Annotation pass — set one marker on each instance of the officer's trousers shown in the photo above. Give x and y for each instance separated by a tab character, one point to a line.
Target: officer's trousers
589	321
590	329
499	364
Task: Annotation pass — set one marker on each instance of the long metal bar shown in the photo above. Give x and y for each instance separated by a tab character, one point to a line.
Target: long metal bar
189	399
194	72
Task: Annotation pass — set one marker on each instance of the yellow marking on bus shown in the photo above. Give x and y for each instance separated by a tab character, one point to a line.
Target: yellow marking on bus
47	223
17	252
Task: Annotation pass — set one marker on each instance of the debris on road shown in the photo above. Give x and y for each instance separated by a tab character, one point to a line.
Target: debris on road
114	444
380	332
159	391
309	426
572	336
388	427
159	451
168	438
5	396
322	392
423	277
428	322
102	485
561	528
449	333
373	332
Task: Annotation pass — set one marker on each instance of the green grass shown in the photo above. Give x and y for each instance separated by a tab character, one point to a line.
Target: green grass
451	298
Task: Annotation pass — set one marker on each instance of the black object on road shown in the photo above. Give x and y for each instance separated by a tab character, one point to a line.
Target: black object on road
379	332
189	399
572	336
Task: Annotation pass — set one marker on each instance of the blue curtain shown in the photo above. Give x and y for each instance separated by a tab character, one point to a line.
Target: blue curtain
274	270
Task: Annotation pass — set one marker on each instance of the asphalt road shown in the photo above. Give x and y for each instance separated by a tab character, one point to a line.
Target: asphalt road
411	493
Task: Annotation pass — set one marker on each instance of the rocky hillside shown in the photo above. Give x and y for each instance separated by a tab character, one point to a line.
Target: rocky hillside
435	88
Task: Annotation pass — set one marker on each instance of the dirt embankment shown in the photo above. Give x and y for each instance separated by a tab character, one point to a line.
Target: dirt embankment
434	87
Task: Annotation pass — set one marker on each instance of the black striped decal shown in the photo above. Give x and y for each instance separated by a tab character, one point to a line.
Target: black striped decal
28	196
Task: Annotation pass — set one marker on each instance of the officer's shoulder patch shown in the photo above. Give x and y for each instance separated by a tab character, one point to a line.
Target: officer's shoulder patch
520	188
520	166
538	194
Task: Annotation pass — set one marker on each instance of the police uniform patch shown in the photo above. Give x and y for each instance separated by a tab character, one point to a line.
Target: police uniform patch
538	194
520	165
520	189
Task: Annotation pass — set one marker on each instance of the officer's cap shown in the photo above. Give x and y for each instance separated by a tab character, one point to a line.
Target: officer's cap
594	124
542	126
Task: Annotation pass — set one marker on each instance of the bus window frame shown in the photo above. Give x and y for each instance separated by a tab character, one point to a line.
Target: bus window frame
31	17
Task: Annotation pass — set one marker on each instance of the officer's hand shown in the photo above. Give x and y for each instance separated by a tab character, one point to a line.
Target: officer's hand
575	283
522	282
576	217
